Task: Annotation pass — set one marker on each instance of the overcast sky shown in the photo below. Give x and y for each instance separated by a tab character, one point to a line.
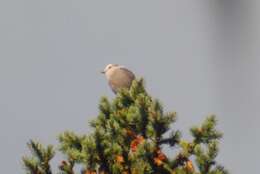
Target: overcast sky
197	57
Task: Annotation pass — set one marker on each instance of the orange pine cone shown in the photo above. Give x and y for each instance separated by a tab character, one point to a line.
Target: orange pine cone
119	158
157	161
200	130
102	172
161	155
189	166
138	140
130	133
90	172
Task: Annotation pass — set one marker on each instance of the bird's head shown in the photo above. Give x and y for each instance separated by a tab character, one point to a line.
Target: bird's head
109	67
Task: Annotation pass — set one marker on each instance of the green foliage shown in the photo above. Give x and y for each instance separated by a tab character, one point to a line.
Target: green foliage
128	137
39	163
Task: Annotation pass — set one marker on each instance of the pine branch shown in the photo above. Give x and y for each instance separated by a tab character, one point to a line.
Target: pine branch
66	167
128	138
206	132
39	163
173	139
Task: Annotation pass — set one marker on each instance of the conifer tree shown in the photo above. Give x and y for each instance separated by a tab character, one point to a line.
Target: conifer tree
128	135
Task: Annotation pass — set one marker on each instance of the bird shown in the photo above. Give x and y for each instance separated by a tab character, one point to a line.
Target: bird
118	77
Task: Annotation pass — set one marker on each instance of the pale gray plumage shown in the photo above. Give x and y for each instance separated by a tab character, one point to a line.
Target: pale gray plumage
118	77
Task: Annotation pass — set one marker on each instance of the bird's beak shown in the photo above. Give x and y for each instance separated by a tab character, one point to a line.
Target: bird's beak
103	72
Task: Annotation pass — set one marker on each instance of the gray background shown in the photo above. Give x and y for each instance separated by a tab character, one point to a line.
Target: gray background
198	57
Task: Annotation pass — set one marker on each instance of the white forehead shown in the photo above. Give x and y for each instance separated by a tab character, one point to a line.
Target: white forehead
110	66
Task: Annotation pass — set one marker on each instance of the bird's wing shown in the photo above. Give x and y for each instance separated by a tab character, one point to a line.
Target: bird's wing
122	78
130	73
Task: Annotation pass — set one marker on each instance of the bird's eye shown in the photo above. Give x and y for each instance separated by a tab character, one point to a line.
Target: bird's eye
109	67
